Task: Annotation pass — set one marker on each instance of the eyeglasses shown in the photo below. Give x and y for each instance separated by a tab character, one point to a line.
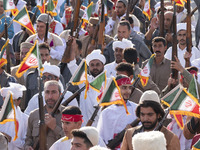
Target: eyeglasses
49	77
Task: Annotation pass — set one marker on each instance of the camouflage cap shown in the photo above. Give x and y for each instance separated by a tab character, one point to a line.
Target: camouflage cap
44	18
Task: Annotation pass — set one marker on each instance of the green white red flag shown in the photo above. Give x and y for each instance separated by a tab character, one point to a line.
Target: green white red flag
3	59
30	61
147	9
8	113
23	19
145	73
183	102
180	2
41	6
9	5
88	12
112	95
51	7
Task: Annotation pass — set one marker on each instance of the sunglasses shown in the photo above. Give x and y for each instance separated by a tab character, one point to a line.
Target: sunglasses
49	77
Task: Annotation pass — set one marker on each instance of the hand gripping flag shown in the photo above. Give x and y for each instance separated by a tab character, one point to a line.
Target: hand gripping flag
112	95
23	19
145	73
8	114
186	102
30	61
3	59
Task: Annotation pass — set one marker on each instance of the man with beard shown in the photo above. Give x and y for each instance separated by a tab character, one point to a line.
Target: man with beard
160	69
52	91
182	46
114	119
150	112
95	61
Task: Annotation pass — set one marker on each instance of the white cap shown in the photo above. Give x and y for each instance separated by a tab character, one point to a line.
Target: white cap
92	134
122	44
15	88
150	95
52	69
95	54
152	140
183	26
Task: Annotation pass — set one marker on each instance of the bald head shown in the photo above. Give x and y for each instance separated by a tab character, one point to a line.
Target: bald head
168	20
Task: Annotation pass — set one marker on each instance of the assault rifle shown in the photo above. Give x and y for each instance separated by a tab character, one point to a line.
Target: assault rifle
91	120
119	137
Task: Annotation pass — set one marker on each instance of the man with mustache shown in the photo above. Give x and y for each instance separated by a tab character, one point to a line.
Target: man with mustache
150	112
160	70
182	46
52	91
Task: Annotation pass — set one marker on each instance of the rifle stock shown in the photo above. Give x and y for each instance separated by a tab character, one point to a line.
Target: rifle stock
67	53
174	46
162	18
160	124
91	120
65	103
119	137
189	33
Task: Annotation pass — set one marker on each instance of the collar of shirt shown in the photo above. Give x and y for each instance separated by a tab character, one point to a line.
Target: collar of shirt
162	62
42	40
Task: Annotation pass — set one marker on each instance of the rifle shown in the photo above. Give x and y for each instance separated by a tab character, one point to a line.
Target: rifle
65	103
41	144
47	29
133	3
101	28
160	124
162	18
91	120
189	34
66	56
191	14
174	46
7	47
119	137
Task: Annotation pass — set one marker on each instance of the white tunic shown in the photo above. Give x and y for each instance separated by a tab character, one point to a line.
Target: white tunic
110	69
195	54
62	144
114	119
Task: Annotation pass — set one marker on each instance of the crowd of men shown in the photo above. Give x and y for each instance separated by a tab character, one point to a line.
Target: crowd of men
122	51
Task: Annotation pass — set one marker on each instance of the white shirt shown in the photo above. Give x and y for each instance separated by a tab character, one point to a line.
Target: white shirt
33	103
110	69
114	119
62	144
195	54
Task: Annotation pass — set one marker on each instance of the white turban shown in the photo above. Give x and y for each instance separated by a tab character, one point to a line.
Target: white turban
122	44
183	26
96	54
52	69
15	88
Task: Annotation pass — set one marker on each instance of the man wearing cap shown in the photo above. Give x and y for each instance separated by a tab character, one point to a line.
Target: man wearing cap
21	118
88	45
52	91
4	18
182	46
150	112
50	72
124	31
95	61
114	119
71	119
54	41
84	138
118	47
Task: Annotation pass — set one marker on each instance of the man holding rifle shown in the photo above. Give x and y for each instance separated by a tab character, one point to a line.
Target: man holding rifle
150	112
52	91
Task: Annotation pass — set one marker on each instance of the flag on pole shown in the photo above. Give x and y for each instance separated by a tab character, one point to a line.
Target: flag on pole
41	6
180	2
30	61
186	101
145	73
51	8
9	5
3	59
8	113
112	95
147	9
88	12
23	19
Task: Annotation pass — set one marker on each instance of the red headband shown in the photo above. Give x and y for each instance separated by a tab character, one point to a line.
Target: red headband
71	118
123	81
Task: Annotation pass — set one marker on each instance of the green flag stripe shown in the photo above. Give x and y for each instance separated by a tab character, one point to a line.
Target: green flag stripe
109	93
97	83
20	14
79	74
179	101
7	110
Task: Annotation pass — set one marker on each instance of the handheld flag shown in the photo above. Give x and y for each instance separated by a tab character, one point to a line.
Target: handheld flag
147	9
112	95
180	2
8	113
23	19
41	6
51	8
30	61
88	12
186	101
3	59
145	73
9	5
